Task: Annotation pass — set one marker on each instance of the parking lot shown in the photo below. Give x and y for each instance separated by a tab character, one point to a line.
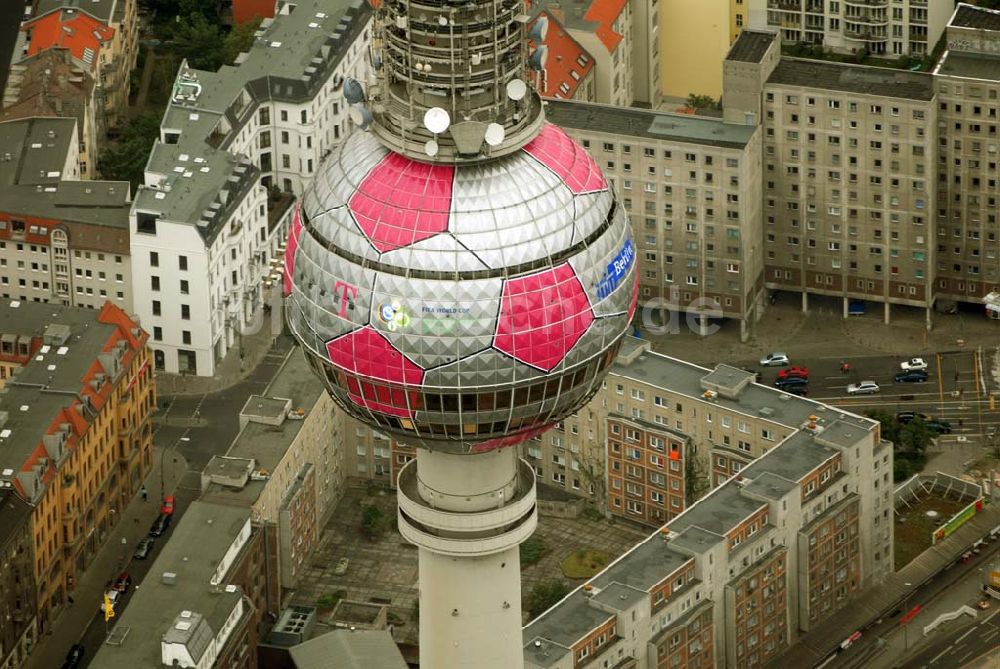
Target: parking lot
954	392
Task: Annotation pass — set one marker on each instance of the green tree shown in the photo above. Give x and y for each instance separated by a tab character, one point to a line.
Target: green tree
532	550
373	522
126	159
240	39
200	40
915	437
890	428
696	101
544	595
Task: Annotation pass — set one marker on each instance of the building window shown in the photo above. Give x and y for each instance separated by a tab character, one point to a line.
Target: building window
156	307
184	287
154	259
185	312
154	282
186	336
182	263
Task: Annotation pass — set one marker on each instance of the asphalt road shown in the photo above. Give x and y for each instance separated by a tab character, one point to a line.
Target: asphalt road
198	427
964	645
11	13
953	391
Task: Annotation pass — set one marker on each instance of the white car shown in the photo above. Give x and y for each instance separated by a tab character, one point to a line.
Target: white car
863	388
913	363
775	359
113	596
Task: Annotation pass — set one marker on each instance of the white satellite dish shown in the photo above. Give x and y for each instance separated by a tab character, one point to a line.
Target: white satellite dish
354	92
495	134
540	29
436	120
361	116
431	148
516	89
538	59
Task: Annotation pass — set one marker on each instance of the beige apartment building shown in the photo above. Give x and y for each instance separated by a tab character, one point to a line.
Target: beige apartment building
775	549
897	28
691	186
967	82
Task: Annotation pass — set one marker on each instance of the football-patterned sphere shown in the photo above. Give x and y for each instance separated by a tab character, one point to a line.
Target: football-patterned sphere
460	307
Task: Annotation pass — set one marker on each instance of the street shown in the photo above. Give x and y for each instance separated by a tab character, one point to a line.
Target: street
954	391
964	645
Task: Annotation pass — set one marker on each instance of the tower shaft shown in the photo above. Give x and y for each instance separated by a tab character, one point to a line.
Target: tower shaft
467	514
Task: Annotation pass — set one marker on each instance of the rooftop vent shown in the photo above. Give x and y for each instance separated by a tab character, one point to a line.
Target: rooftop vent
169	578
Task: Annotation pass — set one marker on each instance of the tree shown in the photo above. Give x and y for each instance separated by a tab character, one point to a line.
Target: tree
696	101
240	39
126	159
200	41
544	595
915	437
890	428
373	522
696	481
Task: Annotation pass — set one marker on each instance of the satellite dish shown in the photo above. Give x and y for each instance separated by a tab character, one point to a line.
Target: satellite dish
538	58
516	89
361	116
436	120
354	92
495	134
431	148
539	30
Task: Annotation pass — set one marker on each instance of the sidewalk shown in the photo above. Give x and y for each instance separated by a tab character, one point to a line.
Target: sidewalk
231	370
824	333
74	619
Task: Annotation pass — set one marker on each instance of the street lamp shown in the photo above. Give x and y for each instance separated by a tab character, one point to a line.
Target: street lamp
906	611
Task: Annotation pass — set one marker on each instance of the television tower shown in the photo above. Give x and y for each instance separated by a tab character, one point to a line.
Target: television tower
461	276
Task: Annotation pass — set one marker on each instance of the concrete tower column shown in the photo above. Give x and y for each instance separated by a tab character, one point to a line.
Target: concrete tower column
467	514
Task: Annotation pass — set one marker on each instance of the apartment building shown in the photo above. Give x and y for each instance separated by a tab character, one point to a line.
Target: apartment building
569	74
202	601
287	466
897	28
52	84
647	48
19	342
697	34
604	28
102	35
18	632
210	221
967	83
764	557
691	186
62	240
75	436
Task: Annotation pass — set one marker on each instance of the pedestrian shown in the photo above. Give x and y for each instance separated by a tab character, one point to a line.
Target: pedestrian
70	600
144	493
961	422
136	519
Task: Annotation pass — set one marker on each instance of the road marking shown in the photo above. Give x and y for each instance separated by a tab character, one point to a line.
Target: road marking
959	639
940	380
965	657
943	652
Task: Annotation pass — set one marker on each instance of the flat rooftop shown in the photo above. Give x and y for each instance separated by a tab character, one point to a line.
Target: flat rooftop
192	554
750	46
632	122
99	9
880	82
970	16
969	66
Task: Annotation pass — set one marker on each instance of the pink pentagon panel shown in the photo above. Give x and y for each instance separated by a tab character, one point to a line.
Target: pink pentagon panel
634	302
290	249
542	316
509	440
401	202
554	149
370	360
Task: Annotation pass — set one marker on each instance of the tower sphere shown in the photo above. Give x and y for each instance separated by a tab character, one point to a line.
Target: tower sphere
460	307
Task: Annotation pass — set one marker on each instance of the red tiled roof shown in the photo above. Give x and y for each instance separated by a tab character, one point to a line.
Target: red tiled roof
248	10
71	30
565	58
604	13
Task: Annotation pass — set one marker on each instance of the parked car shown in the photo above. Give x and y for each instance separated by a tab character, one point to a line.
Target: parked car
143	548
342	565
123	582
863	388
911	376
794	372
939	426
795	385
913	363
160	525
167	506
74	657
801	391
113	597
776	359
904	417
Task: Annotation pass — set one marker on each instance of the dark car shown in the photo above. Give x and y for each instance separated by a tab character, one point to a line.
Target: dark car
160	525
791	382
904	417
939	426
74	657
123	582
912	376
143	548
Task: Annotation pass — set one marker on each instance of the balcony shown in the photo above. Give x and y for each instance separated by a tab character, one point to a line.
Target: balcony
867	3
864	34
